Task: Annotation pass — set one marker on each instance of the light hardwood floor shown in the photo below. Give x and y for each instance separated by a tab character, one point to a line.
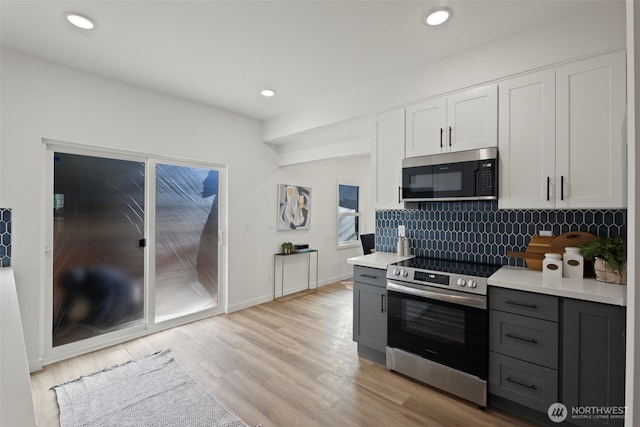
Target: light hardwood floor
290	363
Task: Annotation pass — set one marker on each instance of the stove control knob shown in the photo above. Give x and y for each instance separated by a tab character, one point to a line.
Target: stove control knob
461	282
396	272
472	284
405	273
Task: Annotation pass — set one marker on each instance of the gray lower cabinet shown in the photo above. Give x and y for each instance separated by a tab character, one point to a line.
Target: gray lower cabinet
370	312
546	349
593	365
523	344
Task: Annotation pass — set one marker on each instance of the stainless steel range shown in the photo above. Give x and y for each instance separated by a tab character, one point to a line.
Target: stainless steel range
438	324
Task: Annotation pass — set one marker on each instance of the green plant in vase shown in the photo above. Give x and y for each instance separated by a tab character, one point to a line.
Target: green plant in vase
287	248
609	256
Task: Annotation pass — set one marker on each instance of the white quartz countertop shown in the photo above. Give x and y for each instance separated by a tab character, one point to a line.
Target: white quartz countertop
587	289
377	260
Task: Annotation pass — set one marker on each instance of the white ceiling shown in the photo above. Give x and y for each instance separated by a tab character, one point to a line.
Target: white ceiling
222	53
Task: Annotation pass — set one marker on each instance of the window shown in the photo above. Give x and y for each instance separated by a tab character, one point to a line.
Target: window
348	215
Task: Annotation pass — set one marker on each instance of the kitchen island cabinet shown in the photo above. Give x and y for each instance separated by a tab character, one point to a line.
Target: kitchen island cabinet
461	121
370	312
370	303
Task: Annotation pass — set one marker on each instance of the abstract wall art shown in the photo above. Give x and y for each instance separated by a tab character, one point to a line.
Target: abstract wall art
294	207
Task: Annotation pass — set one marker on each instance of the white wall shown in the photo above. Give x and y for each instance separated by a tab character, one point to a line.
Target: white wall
633	243
570	37
41	99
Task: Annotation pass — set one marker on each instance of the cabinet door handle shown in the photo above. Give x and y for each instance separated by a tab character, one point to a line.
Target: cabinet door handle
515	337
370	276
519	304
531	387
399	194
561	187
441	134
449	136
382	304
548	185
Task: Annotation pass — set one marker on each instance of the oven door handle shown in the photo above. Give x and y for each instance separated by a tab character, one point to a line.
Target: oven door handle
466	300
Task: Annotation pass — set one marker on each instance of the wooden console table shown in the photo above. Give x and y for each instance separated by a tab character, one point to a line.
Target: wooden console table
283	256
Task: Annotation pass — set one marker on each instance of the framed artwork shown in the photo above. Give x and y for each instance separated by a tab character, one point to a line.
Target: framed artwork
294	207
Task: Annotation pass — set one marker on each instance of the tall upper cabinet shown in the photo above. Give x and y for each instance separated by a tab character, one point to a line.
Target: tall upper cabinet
590	148
386	159
461	121
561	136
527	123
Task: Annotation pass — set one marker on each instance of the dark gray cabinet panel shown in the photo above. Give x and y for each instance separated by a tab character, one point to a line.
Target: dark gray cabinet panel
522	382
593	358
525	338
370	316
525	303
369	275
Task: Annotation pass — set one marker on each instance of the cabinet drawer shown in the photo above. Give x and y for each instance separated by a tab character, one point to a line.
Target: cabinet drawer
369	275
525	338
525	303
522	382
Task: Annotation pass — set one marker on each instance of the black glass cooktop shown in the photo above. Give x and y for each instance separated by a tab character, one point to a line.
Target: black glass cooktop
448	266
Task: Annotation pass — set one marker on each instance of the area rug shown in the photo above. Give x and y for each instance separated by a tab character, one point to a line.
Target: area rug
150	391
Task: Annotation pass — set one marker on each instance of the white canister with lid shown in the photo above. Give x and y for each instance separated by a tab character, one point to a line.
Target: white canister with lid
573	263
552	265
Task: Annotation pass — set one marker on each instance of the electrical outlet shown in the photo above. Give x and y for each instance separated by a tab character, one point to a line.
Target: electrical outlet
402	230
548	233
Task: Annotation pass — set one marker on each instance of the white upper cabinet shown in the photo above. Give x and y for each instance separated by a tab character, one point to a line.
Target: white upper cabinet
472	118
561	137
526	149
426	124
386	159
461	121
590	149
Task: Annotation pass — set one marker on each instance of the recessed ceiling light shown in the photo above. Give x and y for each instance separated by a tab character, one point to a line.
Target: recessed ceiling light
80	21
437	16
268	92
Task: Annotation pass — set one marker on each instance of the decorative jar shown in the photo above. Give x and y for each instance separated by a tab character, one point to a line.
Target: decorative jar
573	263
552	265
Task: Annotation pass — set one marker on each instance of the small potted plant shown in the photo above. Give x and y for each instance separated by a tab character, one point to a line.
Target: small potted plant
609	256
287	248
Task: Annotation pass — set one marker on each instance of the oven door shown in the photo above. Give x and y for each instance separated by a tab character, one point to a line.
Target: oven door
446	327
433	182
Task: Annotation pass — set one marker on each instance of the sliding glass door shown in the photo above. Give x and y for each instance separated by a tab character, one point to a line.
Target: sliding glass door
186	247
134	246
98	246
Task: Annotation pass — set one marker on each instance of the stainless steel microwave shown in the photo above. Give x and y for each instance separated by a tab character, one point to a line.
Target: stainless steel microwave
462	175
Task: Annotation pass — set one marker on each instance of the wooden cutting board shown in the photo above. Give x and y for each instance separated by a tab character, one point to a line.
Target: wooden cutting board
540	245
534	254
572	238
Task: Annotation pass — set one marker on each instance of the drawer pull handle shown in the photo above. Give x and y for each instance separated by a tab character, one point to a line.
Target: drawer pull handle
370	276
511	380
515	337
519	304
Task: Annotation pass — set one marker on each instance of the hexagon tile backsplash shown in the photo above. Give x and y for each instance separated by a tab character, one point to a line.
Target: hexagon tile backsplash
480	232
5	237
